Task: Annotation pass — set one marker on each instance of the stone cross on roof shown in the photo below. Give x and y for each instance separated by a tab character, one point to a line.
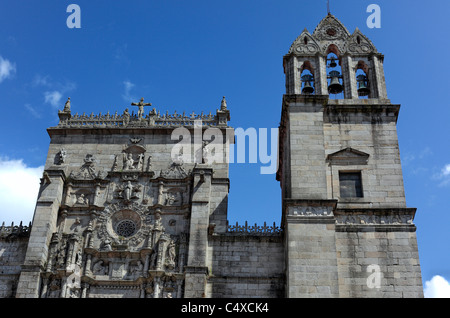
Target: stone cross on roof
141	105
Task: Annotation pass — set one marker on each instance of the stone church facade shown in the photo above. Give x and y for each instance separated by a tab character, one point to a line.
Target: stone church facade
118	215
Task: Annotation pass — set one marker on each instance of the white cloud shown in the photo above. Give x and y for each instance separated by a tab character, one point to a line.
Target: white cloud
446	171
33	111
7	69
53	98
19	187
444	175
128	86
41	80
437	287
55	91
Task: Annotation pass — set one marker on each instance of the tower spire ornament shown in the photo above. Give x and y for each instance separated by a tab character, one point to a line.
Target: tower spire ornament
328	7
223	104
141	105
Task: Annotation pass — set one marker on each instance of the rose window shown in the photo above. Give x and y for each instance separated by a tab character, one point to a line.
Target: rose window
126	228
125	224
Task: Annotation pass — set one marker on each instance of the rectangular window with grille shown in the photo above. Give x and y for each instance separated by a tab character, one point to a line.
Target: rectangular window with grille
350	184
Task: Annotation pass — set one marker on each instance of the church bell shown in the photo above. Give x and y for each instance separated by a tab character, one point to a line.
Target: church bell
335	86
363	90
307	87
333	63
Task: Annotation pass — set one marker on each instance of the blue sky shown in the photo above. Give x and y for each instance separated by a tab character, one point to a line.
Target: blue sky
186	55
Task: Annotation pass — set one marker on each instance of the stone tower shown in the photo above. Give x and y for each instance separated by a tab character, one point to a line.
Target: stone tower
348	231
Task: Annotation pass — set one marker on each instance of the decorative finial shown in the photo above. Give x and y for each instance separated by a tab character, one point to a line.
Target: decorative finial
328	7
223	105
67	106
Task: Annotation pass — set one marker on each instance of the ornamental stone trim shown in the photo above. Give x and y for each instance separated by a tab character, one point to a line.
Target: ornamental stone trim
254	229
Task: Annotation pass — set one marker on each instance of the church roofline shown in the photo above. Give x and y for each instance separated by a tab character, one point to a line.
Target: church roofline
153	120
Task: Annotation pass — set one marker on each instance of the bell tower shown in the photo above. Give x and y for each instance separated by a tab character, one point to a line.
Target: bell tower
332	61
344	210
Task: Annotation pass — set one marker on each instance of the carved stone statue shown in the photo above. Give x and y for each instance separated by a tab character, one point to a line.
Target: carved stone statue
205	152
127	192
137	269
171	255
106	246
82	200
79	258
126	117
173	198
128	162
61	156
99	268
223	104
67	106
141	105
140	162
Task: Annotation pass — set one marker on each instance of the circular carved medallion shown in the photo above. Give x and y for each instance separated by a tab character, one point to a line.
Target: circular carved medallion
331	32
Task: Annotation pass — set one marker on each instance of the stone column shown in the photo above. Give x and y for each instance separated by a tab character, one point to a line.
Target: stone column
349	76
378	77
196	269
44	225
321	81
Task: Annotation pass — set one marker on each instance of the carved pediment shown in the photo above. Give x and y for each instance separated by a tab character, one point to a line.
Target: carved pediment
330	31
330	28
359	43
348	156
305	44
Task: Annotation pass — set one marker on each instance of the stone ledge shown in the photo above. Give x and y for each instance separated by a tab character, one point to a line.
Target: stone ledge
196	270
310	219
374	228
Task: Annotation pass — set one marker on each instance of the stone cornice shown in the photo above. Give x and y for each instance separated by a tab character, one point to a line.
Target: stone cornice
375	219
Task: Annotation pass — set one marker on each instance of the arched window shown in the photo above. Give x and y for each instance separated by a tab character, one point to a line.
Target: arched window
307	78
362	82
335	84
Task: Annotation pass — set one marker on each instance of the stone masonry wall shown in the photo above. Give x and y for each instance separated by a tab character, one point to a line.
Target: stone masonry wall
382	179
246	266
12	255
393	256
